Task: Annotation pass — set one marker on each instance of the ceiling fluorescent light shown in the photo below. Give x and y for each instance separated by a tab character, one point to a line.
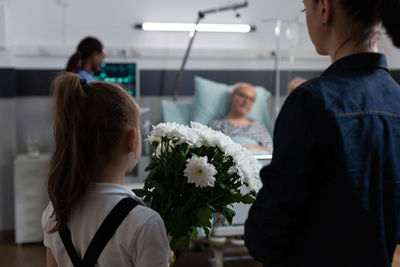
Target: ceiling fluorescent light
223	28
175	27
189	27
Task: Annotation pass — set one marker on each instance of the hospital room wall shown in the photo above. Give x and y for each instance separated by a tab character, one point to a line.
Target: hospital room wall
36	38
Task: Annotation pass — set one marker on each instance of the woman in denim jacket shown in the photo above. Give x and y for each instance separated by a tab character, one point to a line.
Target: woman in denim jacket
331	195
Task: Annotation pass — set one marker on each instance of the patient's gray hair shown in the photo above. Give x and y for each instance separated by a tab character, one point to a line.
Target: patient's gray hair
237	86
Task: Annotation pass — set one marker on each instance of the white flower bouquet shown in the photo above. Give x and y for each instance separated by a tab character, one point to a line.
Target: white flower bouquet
195	172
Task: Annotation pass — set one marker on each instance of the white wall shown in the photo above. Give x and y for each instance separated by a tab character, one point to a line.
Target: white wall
8	141
7	154
392	53
42	33
43	21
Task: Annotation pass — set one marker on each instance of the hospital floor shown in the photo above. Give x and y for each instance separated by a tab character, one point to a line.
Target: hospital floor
33	255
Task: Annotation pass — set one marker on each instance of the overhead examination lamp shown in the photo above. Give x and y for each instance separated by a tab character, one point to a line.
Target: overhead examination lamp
196	27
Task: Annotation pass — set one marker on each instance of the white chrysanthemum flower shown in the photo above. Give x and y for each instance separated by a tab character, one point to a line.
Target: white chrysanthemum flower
246	166
162	129
153	140
232	169
254	184
161	148
172	130
199	172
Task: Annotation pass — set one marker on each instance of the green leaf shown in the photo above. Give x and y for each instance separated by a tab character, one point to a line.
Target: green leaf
140	192
176	222
247	199
153	163
193	233
228	214
182	156
176	242
206	230
153	173
204	216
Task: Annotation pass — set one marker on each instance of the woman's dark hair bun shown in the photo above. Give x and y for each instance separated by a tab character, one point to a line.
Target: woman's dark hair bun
84	50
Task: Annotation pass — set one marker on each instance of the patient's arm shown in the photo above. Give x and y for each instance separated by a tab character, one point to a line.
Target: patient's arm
254	147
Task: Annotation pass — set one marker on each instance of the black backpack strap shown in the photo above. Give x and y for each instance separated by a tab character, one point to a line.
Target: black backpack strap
102	236
107	230
65	235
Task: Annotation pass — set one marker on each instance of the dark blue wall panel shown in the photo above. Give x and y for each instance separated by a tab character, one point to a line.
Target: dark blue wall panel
8	86
28	82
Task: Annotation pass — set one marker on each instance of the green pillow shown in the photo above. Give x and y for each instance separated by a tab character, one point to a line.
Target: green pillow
176	111
211	102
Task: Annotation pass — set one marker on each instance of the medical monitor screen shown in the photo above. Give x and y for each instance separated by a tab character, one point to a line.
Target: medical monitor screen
122	73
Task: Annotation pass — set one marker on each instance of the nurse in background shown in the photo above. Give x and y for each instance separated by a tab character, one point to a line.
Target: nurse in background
87	59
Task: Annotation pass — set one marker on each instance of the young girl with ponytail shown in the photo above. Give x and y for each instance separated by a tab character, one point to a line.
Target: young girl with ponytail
331	195
92	220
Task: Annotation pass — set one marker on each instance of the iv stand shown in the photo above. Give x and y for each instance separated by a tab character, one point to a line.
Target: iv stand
278	29
277	54
193	34
185	58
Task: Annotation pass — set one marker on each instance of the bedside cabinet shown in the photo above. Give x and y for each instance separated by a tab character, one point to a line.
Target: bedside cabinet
30	196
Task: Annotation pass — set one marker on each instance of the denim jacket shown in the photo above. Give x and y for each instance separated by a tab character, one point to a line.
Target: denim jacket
331	195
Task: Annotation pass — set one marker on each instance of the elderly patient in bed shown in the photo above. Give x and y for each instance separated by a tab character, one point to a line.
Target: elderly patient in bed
252	134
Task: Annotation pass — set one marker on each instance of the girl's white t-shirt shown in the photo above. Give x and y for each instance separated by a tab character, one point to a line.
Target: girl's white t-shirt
140	240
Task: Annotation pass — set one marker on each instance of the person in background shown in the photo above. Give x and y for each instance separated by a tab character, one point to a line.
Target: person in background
294	83
91	218
87	59
331	195
236	125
